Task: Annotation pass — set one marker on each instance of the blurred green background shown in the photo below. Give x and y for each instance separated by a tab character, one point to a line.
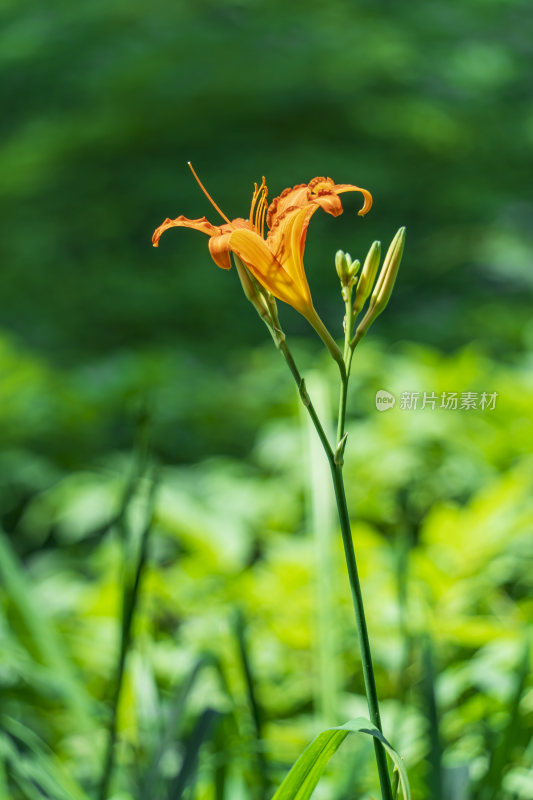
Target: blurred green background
107	344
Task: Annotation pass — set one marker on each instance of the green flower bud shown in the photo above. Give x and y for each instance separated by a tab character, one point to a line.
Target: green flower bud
368	276
385	284
353	268
341	265
346	270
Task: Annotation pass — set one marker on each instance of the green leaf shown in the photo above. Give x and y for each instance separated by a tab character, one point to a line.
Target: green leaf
307	770
175	718
34	766
42	640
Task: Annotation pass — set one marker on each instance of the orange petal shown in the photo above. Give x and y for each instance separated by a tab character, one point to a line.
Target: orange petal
338	188
297	196
220	250
239	222
201	224
317	188
219	243
316	184
330	203
287	242
265	267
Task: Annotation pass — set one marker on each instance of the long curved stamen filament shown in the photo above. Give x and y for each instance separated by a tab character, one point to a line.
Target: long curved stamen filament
204	190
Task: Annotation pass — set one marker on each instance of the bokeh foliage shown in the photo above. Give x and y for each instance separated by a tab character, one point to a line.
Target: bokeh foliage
107	343
425	105
443	530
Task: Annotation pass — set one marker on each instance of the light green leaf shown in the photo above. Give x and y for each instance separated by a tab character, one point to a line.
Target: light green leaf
307	770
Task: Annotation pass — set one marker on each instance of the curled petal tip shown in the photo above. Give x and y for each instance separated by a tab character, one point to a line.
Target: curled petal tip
367	204
349	187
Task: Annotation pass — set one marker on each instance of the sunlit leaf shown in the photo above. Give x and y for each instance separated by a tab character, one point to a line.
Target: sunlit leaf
308	769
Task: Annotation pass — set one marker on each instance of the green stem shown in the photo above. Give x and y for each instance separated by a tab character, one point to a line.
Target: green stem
306	400
342	409
312	317
362	630
344	518
348	355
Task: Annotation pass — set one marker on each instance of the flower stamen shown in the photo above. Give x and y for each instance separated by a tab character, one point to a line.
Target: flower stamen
264	208
204	190
258	208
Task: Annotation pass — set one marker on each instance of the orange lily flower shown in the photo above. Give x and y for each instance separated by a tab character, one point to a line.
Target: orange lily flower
277	260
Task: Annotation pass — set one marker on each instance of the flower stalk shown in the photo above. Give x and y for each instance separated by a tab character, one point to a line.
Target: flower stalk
347	271
267	250
336	464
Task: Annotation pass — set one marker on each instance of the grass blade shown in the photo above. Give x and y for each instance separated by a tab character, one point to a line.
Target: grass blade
131	596
308	769
201	732
41	637
491	783
149	789
253	704
31	760
435	773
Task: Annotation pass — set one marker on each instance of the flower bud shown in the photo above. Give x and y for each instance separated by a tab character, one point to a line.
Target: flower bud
341	265
368	276
385	284
346	270
353	268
